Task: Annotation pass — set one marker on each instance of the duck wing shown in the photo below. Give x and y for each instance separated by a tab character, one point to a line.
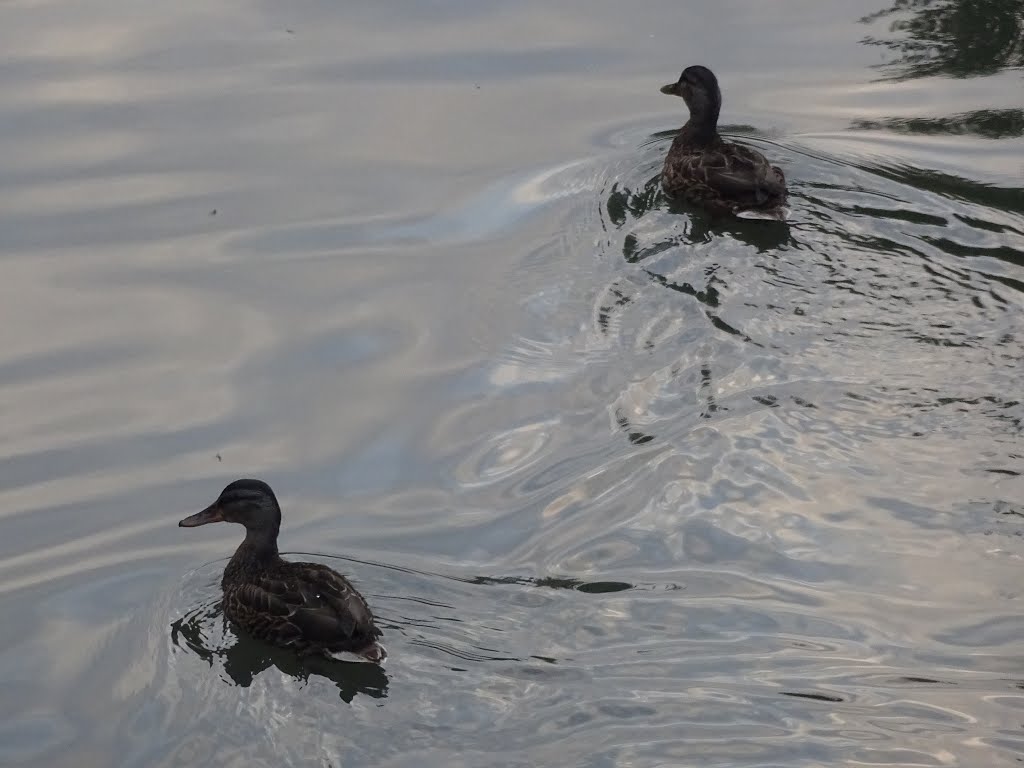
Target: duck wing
743	175
304	604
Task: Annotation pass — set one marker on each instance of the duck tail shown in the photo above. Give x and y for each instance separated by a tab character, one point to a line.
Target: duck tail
375	653
775	213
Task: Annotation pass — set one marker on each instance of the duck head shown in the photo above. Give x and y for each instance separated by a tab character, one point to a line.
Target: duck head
248	502
698	87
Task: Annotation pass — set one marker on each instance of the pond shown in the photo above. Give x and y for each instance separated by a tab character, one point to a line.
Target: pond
624	485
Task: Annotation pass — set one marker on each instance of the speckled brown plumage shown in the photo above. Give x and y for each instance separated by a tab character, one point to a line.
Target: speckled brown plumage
304	606
705	170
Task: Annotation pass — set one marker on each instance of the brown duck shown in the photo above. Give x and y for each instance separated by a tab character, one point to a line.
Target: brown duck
304	606
701	168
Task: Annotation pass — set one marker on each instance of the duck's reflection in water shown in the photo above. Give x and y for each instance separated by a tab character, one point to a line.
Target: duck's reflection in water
243	658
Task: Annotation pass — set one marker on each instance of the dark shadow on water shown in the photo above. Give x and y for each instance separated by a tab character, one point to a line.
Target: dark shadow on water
949	185
652	226
814	696
952	38
551	582
986	123
635	436
679	225
624	204
959	39
709	408
708	296
245	658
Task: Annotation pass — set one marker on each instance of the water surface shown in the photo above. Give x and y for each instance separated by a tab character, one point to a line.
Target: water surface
624	487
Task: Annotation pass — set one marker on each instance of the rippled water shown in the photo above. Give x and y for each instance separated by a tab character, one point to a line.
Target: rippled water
625	487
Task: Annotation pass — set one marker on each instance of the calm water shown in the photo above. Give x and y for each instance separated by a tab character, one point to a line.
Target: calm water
625	489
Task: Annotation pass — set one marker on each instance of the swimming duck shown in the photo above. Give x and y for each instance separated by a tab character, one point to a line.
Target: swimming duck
304	606
703	169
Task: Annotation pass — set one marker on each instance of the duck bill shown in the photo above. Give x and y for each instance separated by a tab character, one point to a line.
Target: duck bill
672	89
212	514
